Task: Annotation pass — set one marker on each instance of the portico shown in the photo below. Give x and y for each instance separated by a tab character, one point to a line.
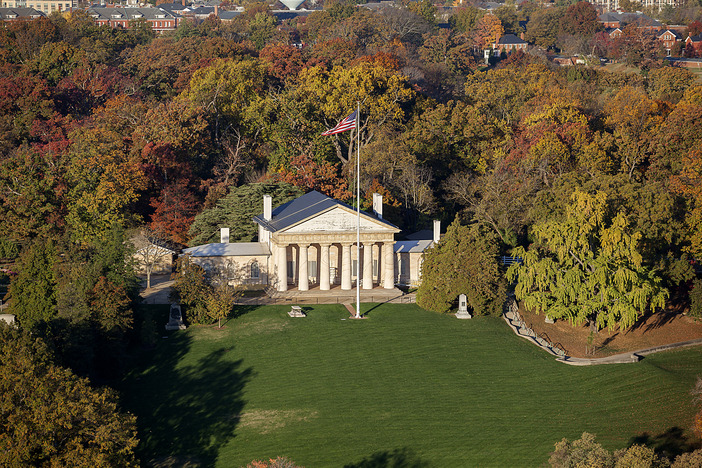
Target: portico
313	244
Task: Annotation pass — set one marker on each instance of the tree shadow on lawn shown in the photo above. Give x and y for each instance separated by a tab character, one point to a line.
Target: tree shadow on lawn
185	414
398	458
670	443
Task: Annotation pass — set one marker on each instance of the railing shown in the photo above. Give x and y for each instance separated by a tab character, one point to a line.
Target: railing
525	329
507	261
403	299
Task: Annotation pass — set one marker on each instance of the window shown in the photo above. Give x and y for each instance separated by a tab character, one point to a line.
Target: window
255	270
375	267
291	269
354	268
312	268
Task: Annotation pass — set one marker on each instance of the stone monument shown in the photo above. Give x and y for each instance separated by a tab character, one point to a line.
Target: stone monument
463	308
296	311
175	319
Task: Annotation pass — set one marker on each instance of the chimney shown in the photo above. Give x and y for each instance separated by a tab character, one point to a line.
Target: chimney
267	207
437	231
183	2
224	235
378	205
216	11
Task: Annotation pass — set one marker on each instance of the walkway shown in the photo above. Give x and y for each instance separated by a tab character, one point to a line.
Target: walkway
520	329
161	288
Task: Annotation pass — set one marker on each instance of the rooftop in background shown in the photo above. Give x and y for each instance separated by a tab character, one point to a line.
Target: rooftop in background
10	14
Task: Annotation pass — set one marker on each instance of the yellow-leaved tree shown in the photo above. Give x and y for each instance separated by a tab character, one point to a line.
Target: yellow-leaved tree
587	268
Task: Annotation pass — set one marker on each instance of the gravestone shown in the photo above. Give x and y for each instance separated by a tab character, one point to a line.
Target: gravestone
463	308
175	319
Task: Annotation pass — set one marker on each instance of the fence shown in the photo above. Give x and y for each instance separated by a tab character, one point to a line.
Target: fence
525	329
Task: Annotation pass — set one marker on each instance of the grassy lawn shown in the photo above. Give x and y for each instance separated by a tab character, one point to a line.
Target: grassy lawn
402	384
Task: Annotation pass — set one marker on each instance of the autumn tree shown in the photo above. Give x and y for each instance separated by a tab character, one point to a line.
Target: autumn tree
580	19
220	301
487	31
689	183
383	95
50	417
463	262
633	117
174	212
586	267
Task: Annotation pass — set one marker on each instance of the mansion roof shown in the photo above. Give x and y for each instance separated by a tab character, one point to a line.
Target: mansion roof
308	206
238	249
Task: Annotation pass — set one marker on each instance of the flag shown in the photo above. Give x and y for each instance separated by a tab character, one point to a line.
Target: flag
347	124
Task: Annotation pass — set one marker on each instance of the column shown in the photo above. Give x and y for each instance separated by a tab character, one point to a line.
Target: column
282	268
367	265
303	276
388	265
324	268
346	267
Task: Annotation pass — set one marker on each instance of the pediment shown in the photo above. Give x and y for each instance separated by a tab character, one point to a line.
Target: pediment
339	219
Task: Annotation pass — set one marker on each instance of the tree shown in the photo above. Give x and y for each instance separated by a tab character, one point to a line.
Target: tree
383	95
544	27
236	210
220	301
50	417
150	249
581	452
586	267
33	290
174	212
464	262
689	183
580	19
191	289
487	30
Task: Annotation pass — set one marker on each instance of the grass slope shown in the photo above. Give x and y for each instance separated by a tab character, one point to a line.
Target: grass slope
403	385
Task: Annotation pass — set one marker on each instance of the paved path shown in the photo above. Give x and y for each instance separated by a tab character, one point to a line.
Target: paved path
623	358
159	291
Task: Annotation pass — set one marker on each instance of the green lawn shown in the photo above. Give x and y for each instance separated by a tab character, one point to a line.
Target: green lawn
402	384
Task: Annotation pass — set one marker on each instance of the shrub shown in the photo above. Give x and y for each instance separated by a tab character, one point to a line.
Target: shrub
696	299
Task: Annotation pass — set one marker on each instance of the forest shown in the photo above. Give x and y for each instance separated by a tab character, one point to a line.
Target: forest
106	130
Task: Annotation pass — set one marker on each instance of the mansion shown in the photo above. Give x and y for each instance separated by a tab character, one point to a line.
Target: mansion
311	242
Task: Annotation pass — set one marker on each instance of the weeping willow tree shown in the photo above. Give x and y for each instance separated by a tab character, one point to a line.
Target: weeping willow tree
586	268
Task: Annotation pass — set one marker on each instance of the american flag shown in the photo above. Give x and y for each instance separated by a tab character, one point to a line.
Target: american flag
347	124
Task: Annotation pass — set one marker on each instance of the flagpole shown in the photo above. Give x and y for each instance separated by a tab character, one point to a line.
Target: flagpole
358	209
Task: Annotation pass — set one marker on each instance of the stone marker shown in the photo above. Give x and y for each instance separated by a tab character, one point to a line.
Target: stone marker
296	311
175	319
548	319
463	308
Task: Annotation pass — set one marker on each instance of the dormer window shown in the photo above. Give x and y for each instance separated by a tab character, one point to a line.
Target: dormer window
138	15
160	16
116	15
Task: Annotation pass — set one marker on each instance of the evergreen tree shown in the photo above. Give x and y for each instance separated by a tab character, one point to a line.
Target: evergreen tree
33	290
464	262
236	211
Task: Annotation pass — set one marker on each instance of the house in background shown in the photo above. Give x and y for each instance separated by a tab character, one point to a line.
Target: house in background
695	42
510	43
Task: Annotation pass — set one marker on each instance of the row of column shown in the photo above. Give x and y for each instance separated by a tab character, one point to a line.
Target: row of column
388	267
